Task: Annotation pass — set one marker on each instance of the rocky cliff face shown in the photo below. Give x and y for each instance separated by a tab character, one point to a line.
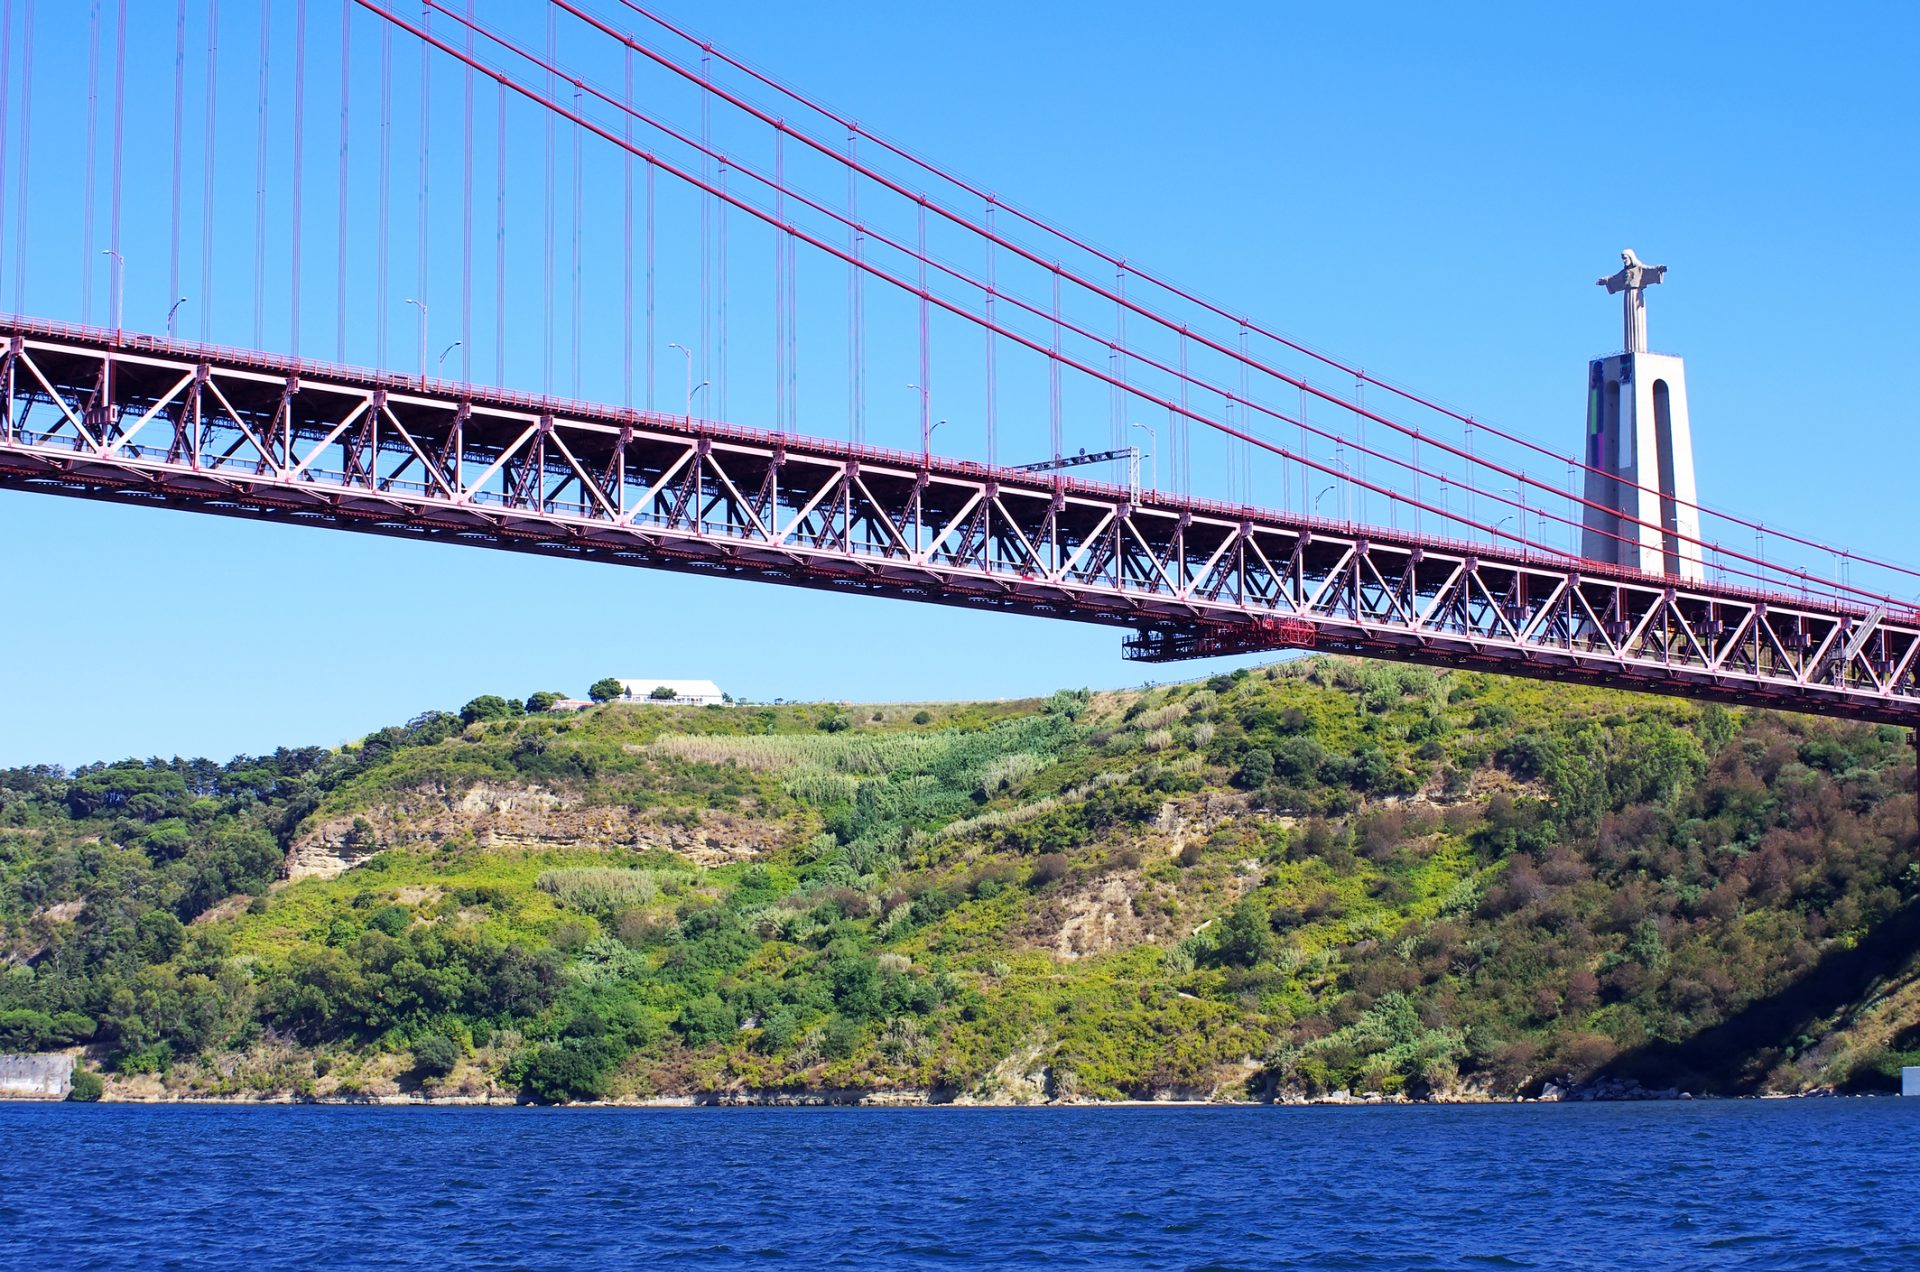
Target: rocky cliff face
519	816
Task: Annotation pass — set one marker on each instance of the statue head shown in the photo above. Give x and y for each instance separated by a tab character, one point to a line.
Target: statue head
1628	259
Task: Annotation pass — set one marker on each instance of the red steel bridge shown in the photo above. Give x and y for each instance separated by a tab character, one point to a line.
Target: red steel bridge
717	235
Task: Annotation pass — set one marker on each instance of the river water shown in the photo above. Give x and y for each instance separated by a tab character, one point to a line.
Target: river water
1737	1184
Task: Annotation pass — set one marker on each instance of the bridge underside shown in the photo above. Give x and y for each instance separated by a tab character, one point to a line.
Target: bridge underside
141	421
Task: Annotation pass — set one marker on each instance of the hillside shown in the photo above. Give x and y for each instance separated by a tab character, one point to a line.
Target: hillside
1319	876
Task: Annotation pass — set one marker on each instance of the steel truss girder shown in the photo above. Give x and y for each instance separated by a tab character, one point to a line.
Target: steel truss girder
246	434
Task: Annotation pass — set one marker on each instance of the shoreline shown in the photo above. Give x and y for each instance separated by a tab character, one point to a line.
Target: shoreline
905	1100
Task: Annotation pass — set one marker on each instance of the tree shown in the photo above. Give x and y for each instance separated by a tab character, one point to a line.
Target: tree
488	706
1245	937
662	694
605	689
542	701
1256	768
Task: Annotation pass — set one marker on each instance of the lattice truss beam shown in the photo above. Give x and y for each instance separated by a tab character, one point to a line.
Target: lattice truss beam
246	434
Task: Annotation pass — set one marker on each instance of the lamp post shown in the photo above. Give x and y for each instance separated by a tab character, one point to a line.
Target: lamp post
421	305
688	354
1346	507
171	312
119	287
1153	454
440	367
926	424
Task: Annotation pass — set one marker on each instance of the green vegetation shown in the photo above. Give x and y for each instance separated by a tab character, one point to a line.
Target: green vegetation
87	1086
1319	876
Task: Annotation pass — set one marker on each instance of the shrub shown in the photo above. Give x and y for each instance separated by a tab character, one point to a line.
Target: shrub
706	1019
839	722
434	1055
87	1086
778	1031
573	1070
599	889
1256	768
842	1036
1048	869
392	919
923	717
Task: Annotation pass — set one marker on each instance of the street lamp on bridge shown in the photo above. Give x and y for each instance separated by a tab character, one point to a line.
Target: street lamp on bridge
119	287
421	305
174	309
688	355
926	424
1153	453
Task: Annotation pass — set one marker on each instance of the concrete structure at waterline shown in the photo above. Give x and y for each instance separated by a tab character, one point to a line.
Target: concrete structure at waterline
42	1077
1643	508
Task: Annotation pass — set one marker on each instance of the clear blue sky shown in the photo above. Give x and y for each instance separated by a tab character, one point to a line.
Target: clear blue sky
1429	190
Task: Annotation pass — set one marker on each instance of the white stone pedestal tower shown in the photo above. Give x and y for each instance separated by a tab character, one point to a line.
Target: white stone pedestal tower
1640	447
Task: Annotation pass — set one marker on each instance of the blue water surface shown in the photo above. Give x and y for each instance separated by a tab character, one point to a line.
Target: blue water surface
1740	1184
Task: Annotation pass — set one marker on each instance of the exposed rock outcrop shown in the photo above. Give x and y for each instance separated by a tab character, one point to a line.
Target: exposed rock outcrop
508	816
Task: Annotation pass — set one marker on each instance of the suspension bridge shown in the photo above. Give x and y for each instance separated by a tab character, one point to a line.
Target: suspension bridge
740	288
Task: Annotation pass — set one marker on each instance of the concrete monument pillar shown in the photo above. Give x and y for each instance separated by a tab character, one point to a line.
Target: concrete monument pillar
1640	446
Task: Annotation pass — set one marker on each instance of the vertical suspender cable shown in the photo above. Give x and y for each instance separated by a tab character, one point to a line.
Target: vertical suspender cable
853	296
793	330
299	161
926	320
1119	370
179	147
652	331
993	395
1179	427
380	255
626	246
1053	375
118	280
500	243
86	198
466	217
6	93
26	155
780	248
549	317
859	302
260	176
425	205
346	97
1246	398
720	293
579	195
209	151
706	213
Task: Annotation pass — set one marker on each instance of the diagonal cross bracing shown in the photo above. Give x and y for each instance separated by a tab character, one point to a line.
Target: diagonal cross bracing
359	450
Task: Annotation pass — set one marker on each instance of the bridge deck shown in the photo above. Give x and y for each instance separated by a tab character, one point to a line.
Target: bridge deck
135	419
